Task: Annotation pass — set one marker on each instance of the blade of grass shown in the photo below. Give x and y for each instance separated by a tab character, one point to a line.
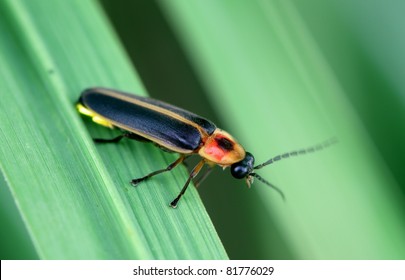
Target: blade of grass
74	198
271	84
19	247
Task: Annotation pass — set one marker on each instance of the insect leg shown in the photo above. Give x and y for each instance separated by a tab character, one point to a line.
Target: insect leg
118	138
193	173
135	182
113	140
203	177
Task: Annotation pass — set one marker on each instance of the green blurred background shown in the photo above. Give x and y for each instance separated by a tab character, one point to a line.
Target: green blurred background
362	44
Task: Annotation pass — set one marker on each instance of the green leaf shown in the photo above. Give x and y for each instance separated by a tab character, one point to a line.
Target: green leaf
73	197
273	87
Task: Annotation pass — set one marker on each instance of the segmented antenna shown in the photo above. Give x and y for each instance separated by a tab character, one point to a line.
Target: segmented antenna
311	149
260	178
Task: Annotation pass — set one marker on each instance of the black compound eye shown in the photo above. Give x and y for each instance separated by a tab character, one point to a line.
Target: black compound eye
239	171
244	167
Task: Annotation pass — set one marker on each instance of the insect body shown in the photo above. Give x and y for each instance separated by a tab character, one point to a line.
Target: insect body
173	129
